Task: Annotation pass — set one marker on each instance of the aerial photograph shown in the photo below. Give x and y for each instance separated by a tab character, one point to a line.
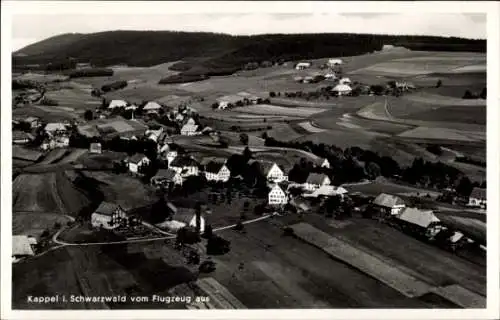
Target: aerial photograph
248	161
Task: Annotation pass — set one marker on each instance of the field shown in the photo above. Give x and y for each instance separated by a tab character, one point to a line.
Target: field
266	109
34	223
26	154
76	99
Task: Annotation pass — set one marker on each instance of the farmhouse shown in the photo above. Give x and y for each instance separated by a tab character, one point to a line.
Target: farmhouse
322	163
116	126
185	166
107	216
216	171
55	128
316	180
164	177
187	217
189	130
277	196
59	141
330	76
135	162
95	148
270	170
327	191
229	101
388	205
152	106
345	81
132	107
302	65
477	198
249	97
34	122
342	89
334	62
422	222
22	246
117	104
21	137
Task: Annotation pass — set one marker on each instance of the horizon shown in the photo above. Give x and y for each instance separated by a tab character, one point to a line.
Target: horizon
33	28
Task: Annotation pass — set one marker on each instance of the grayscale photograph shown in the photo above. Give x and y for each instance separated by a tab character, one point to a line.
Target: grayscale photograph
248	161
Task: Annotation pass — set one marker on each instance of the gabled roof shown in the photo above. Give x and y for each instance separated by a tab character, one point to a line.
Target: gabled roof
107	208
388	200
168	174
184	162
316	178
152	106
478	193
276	187
189	127
326	191
21	246
230	98
137	157
320	161
422	218
214	167
117	104
31	119
55	126
342	88
265	166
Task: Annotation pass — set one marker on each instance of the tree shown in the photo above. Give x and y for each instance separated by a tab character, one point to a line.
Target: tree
208	232
483	94
88	115
244	138
468	95
246	206
247	154
372	170
187	236
272	94
198	217
439	83
464	187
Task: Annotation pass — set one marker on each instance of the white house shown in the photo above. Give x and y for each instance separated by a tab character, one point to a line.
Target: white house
345	81
334	62
135	162
187	217
117	104
277	196
302	65
152	106
185	166
132	107
189	130
166	176
316	180
327	191
322	163
55	128
22	246
107	216
191	121
270	170
477	198
229	101
330	76
422	221
342	89
388	205
95	148
216	171
154	134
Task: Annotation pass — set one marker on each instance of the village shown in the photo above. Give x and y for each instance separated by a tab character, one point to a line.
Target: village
206	179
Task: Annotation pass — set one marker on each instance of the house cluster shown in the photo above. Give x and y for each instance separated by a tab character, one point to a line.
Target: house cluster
416	221
237	100
57	135
477	198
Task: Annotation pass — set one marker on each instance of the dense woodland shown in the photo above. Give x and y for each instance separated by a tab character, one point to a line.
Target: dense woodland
222	54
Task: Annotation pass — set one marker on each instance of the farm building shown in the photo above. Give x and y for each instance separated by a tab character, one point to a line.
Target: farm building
117	104
164	177
189	130
277	196
322	163
135	162
60	141
334	62
107	216
154	134
34	122
302	65
216	171
21	137
179	117
342	89
132	107
229	101
270	170
316	180
330	76
327	191
116	126
22	246
388	205
95	148
185	166
55	128
345	81
477	197
182	217
249	97
422	222
152	106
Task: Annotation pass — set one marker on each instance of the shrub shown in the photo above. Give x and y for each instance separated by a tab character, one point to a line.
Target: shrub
114	86
91	72
182	78
48	102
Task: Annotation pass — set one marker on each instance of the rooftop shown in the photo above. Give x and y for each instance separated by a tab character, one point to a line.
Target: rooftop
136	158
107	208
478	193
21	246
184	162
388	200
422	218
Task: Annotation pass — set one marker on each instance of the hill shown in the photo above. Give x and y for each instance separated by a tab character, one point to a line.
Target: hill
219	51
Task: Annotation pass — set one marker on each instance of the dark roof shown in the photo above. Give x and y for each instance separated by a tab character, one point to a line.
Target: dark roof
18	135
136	157
184	162
478	193
168	174
388	200
316	178
107	208
214	167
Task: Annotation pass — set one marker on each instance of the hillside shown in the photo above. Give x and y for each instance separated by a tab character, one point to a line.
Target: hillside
147	48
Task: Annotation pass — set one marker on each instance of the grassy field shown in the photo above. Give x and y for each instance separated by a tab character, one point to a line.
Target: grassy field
34	223
73	100
266	109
